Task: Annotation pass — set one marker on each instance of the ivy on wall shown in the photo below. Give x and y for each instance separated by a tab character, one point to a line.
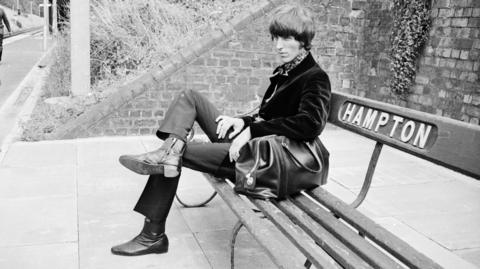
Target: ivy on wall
411	24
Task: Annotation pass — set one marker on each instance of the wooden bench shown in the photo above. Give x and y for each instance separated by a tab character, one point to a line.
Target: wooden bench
333	234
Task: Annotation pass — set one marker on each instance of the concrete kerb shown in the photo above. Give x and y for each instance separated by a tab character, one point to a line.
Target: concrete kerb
258	12
227	29
277	2
188	55
35	76
268	7
202	46
242	20
165	69
170	67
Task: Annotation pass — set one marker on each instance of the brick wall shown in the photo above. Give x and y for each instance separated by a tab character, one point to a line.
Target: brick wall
447	81
232	66
373	62
234	74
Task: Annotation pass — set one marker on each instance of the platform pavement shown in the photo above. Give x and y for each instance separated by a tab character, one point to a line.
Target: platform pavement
21	73
20	53
64	203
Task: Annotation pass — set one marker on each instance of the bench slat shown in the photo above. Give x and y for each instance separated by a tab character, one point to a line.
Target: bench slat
394	245
281	255
297	236
348	236
341	253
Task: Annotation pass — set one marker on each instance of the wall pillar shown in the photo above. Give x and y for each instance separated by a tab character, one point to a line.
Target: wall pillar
45	26
54	17
80	46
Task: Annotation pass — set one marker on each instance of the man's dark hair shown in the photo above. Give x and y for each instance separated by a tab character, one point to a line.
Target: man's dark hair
295	21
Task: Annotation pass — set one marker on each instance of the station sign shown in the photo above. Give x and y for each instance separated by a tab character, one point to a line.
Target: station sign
446	142
388	125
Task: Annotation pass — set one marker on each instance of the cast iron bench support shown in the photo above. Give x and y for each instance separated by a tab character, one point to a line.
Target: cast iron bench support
333	234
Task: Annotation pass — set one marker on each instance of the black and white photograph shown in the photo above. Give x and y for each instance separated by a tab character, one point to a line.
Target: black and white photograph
215	134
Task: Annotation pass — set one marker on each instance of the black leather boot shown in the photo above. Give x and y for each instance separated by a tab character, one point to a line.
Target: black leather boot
152	239
166	160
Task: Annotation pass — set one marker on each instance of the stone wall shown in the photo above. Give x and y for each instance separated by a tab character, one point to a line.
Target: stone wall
231	66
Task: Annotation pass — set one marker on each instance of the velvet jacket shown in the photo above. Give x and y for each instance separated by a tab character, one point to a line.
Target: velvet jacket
299	106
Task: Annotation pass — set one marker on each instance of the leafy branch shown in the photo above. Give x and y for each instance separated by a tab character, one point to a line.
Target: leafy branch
411	26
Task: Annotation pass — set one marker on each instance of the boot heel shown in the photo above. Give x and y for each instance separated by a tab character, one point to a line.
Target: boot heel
161	250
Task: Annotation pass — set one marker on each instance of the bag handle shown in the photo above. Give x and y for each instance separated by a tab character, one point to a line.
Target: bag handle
315	156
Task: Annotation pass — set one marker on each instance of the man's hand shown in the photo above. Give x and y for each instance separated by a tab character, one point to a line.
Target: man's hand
224	123
238	143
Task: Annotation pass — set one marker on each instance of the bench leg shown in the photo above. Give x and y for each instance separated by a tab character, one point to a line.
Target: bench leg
187	205
235	231
200	204
368	177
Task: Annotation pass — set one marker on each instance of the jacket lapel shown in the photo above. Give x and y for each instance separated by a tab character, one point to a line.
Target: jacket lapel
293	75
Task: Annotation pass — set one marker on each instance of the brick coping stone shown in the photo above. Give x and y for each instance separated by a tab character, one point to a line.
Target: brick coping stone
166	68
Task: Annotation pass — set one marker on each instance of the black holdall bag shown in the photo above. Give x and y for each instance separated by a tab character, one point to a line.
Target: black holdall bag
276	166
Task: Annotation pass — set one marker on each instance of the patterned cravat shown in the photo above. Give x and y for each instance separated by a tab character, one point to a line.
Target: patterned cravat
287	67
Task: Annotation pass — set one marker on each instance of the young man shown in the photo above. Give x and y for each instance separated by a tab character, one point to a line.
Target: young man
295	105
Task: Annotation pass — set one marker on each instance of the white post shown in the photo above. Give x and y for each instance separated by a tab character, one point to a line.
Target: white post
54	17
31	7
45	27
80	46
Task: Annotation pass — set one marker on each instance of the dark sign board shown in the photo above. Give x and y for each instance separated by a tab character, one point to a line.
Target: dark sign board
444	141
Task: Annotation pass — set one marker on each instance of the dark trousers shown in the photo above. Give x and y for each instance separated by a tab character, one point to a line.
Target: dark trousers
188	107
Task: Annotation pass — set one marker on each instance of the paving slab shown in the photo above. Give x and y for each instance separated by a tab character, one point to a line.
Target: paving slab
41	220
193	188
334	137
107	150
430	248
215	216
33	182
459	232
424	199
101	205
346	159
41	154
472	255
98	235
248	254
62	255
339	190
352	177
184	252
107	178
80	196
17	60
348	196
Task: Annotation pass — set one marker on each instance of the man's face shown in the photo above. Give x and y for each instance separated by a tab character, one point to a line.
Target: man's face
287	48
